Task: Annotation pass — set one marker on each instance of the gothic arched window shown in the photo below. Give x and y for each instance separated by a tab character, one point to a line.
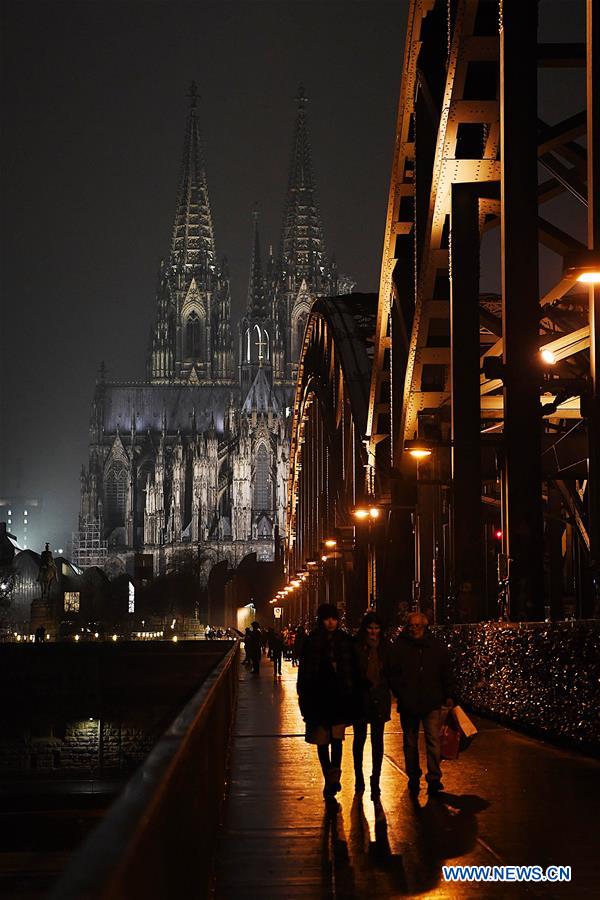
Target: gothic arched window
262	480
116	494
193	335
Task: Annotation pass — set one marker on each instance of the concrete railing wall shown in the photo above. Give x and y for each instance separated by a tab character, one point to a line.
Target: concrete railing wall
158	839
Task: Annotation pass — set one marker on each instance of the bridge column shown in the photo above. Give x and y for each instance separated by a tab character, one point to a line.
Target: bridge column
520	308
593	173
467	524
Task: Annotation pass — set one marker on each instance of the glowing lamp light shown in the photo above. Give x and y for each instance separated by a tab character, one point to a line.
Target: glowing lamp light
418	448
114	637
548	356
311	562
331	542
590	277
498	534
76	637
366	512
324	558
296	582
96	634
174	638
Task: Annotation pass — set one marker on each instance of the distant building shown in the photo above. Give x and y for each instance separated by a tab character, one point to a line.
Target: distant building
23	517
195	457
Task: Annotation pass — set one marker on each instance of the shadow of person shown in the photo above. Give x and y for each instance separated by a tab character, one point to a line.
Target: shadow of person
378	870
337	872
446	828
381	852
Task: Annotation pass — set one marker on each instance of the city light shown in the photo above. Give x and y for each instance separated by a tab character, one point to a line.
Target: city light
366	512
589	277
418	449
330	542
548	356
325	558
174	638
114	637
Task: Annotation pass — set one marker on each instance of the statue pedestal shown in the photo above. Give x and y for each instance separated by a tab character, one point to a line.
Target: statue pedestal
42	613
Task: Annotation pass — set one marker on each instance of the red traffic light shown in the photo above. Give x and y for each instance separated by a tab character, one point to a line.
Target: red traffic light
498	534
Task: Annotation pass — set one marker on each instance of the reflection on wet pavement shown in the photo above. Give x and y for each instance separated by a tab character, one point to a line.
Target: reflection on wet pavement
510	800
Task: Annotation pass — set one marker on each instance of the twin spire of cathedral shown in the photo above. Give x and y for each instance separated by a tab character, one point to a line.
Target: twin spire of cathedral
192	337
193	240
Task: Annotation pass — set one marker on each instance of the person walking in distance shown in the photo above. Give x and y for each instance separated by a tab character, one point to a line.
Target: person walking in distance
422	680
373	653
299	638
328	692
254	647
276	644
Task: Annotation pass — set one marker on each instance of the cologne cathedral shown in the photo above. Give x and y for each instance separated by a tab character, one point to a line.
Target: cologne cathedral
194	459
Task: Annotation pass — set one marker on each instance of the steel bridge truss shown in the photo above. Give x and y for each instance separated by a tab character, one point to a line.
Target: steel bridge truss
505	509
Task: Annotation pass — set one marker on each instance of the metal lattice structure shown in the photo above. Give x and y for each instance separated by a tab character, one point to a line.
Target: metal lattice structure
468	146
500	516
88	547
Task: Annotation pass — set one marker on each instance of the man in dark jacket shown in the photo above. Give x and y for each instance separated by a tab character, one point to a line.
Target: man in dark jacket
422	681
253	642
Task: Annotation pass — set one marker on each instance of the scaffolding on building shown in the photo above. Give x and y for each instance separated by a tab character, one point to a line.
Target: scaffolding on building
88	547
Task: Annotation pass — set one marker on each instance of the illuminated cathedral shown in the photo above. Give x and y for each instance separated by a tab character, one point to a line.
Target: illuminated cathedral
195	457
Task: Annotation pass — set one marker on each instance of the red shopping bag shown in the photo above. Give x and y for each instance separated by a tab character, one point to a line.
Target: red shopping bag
450	738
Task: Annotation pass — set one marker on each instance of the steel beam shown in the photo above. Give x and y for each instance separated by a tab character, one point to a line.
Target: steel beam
520	308
467	521
593	151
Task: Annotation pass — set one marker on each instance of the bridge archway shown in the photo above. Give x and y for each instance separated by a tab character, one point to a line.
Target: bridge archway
327	458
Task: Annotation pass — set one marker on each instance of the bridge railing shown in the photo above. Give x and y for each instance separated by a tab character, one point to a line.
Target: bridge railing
158	839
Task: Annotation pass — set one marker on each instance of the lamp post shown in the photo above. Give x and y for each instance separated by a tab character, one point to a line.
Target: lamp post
368	515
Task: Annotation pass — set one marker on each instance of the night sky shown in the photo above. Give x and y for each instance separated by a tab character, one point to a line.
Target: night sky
94	107
93	112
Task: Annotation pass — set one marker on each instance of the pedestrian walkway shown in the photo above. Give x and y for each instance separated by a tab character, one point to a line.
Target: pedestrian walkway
509	800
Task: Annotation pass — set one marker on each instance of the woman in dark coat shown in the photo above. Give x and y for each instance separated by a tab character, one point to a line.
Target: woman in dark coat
328	692
374	657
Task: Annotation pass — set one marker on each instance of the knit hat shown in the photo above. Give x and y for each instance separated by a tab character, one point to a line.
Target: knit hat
370	618
327	611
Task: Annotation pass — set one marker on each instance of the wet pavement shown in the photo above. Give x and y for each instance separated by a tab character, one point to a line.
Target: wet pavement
509	800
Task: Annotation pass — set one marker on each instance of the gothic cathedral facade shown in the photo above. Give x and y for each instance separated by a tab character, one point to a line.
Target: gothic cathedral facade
194	459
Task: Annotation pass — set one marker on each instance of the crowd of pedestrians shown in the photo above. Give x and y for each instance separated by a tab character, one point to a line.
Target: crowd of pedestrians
349	680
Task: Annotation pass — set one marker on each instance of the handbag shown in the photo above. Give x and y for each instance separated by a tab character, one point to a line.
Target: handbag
449	737
465	725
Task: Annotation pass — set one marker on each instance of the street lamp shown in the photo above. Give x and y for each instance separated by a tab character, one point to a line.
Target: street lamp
418	448
369	514
548	356
583	266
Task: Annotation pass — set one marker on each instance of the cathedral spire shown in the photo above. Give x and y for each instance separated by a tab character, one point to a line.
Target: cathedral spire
302	248
193	242
257	302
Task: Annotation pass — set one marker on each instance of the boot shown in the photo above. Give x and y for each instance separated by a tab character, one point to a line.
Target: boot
330	788
335	774
375	789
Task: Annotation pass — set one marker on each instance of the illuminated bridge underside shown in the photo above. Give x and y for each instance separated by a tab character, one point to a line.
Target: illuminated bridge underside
327	453
463	370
